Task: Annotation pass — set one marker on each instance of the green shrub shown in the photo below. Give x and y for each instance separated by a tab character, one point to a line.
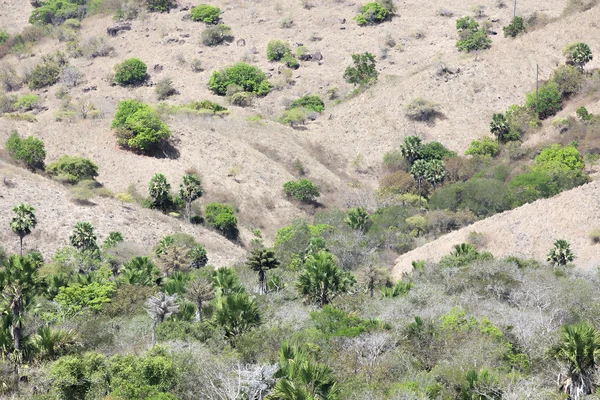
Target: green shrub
333	322
27	102
277	49
435	151
372	14
583	114
290	61
533	185
130	72
222	218
54	12
482	196
475	41
80	376
557	157
249	78
75	298
514	28
3	37
160	5
363	71
569	80
30	151
309	102
47	71
548	101
205	13
484	147
72	169
138	126
206	105
217	35
303	190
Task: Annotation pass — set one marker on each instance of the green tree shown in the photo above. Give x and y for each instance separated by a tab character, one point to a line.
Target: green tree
160	307
138	127
435	172
579	349
484	147
83	237
419	173
159	191
578	54
262	260
277	49
499	127
321	280
30	151
302	190
560	254
222	218
358	219
556	157
238	314
139	271
199	291
77	377
250	78
205	13
363	71
72	169
23	222
411	149
190	190
546	102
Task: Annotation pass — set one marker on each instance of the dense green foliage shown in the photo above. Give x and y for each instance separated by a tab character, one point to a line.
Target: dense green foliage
578	54
30	151
55	11
472	37
547	102
302	190
372	14
277	49
363	71
205	13
72	169
483	147
138	126
47	71
251	79
130	72
222	218
515	27
309	102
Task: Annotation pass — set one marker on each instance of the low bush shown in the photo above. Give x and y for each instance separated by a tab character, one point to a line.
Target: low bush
557	157
138	126
130	72
72	169
47	71
277	49
421	109
595	236
302	190
205	13
363	71
481	196
242	99
30	151
569	80
293	117
471	36
436	151
514	28
484	147
249	78
222	218
160	5
3	37
164	88
27	102
96	47
207	105
309	102
583	114
372	14
547	102
290	61
55	12
217	35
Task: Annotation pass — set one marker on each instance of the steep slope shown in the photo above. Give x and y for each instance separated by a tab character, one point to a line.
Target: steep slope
56	216
528	231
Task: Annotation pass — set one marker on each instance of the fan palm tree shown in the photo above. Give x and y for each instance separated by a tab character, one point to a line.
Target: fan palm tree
321	280
499	126
560	254
358	219
419	172
83	237
238	314
411	149
226	282
373	276
579	348
190	190
52	343
198	292
23	222
435	172
174	258
160	307
262	260
139	271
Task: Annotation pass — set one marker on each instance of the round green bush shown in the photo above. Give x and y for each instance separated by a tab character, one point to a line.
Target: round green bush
130	72
277	49
205	13
484	147
371	14
221	217
249	78
29	151
303	190
547	102
310	102
73	169
138	126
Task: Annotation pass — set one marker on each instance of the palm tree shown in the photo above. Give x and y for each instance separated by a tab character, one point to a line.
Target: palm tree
262	260
226	282
198	256
358	219
301	378
198	292
560	254
189	191
419	172
579	348
372	276
578	54
83	237
23	222
499	126
411	148
435	172
174	258
238	314
159	308
52	343
139	271
321	280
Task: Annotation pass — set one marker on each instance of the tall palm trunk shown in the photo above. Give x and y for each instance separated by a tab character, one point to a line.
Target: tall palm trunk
154	323
261	282
199	311
21	244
